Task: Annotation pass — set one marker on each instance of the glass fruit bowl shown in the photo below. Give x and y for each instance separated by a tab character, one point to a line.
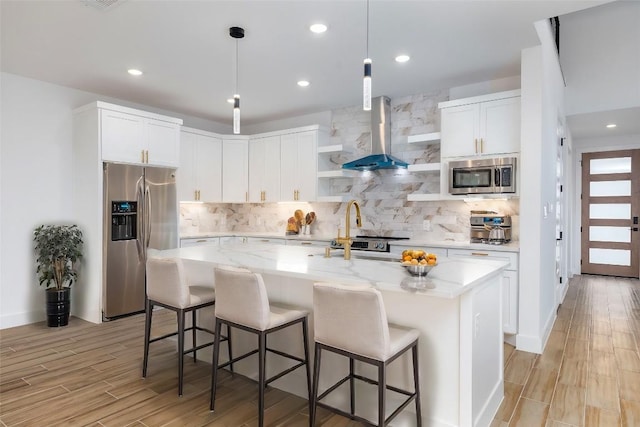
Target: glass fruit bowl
418	269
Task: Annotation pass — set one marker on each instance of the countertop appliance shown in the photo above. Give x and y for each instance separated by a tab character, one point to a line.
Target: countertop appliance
483	176
484	225
368	243
140	213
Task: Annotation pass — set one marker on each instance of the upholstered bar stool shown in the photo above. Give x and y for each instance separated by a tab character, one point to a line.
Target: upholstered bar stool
168	286
351	321
242	303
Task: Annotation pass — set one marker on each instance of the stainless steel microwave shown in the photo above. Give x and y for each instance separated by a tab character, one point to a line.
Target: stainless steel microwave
483	176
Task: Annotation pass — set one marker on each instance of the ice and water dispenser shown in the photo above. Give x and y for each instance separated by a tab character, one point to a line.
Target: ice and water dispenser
124	220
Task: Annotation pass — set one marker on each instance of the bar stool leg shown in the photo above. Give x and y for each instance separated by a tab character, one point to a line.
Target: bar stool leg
305	339
416	382
382	386
180	349
316	378
214	364
352	392
228	347
193	333
262	337
147	336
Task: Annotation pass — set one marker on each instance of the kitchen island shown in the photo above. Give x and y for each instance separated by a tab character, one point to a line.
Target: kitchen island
457	309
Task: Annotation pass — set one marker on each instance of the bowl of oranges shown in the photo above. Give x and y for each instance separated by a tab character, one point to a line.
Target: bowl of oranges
418	262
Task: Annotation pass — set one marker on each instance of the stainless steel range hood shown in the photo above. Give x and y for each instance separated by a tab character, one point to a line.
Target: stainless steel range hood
380	149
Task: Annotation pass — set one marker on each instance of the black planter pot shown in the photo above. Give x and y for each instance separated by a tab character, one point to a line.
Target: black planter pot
58	306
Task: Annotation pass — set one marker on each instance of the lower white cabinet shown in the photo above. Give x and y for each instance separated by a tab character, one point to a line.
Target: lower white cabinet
509	283
316	243
204	241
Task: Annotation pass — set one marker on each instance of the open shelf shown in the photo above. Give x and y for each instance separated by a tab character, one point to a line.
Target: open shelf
338	173
424	167
337	148
425	137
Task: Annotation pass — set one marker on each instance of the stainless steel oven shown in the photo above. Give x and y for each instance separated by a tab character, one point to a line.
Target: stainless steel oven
483	176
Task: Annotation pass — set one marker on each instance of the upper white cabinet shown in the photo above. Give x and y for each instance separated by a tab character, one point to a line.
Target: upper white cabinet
298	166
199	177
235	169
264	169
482	125
138	137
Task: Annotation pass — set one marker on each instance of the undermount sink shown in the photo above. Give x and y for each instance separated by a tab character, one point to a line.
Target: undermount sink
371	256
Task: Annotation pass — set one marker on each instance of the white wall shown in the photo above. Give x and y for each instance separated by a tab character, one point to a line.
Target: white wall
542	100
35	180
600	57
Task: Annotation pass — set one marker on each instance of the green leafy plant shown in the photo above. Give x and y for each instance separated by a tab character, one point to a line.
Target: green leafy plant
58	248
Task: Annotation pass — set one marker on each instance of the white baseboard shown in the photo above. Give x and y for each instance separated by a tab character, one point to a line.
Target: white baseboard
491	406
529	343
20	319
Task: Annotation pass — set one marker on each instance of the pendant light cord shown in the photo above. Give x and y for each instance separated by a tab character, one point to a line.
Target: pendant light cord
236	67
367	28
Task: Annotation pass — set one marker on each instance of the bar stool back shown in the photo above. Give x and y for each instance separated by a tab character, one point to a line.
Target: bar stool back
242	303
352	321
168	287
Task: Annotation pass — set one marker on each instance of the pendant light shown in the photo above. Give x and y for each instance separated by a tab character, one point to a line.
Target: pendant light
366	84
236	33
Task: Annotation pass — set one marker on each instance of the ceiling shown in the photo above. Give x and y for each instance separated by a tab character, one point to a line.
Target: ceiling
188	58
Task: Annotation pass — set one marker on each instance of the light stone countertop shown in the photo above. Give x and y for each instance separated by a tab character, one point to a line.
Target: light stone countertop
410	243
451	278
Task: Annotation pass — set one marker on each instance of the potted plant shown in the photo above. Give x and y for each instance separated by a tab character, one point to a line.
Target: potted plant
58	248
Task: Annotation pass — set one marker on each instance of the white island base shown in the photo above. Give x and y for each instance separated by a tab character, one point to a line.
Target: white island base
457	310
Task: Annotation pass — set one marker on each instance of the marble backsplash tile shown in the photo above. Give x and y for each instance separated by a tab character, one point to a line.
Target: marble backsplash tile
382	194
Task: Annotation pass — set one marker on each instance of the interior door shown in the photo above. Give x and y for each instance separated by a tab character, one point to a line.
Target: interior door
610	210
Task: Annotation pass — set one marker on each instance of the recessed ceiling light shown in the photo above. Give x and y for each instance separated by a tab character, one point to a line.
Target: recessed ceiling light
303	83
611	125
402	58
318	28
134	72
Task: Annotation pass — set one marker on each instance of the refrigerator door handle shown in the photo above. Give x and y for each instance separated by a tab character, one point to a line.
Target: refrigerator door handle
147	219
141	222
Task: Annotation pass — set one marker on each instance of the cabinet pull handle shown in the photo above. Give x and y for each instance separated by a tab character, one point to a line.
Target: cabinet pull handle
141	156
146	156
195	194
482	145
479	254
306	243
246	196
264	240
475	143
201	241
199	195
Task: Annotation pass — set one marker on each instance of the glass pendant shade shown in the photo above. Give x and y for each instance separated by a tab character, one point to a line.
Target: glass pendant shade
236	114
366	86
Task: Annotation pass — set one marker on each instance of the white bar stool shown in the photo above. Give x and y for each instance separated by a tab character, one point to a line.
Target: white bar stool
351	321
168	287
242	303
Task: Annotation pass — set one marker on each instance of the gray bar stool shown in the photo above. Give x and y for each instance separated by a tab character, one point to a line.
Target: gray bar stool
351	321
242	303
168	287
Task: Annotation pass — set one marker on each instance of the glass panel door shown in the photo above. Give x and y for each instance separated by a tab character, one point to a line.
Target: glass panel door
610	209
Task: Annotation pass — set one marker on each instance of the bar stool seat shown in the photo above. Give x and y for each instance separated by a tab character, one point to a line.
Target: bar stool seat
242	303
169	286
351	321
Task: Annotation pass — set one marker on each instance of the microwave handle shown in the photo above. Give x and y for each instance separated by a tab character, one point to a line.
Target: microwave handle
496	180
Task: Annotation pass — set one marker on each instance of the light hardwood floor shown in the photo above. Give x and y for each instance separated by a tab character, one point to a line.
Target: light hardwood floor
86	374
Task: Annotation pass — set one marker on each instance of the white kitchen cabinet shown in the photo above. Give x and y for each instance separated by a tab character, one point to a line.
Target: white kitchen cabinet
298	166
203	241
509	283
483	125
264	169
199	177
235	170
272	240
137	137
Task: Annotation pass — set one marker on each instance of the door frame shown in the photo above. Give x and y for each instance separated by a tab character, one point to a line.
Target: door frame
585	222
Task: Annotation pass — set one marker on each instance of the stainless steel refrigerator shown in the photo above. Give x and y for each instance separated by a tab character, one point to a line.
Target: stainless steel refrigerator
140	213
